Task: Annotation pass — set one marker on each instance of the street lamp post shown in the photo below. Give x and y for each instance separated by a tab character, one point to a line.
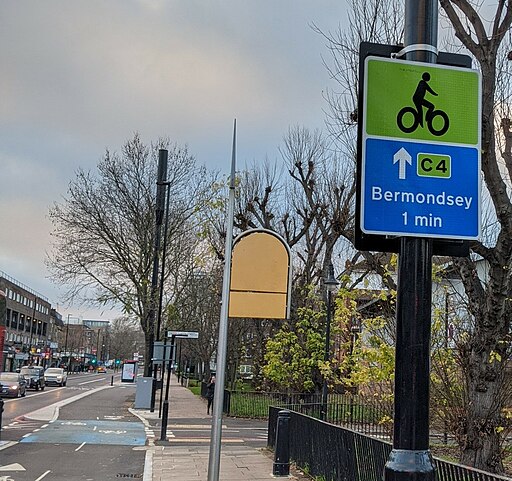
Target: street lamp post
66	344
331	285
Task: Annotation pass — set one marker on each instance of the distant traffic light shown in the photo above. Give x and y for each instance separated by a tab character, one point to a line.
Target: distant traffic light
94	360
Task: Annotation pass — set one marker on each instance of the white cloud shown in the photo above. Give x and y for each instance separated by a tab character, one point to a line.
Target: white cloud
78	77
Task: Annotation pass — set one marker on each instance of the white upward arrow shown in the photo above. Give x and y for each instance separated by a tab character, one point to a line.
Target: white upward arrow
402	156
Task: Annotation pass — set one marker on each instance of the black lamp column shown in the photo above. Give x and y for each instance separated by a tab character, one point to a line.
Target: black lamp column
410	459
159	214
331	285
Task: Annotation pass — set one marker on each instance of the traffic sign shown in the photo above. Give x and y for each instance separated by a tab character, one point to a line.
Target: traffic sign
183	334
420	171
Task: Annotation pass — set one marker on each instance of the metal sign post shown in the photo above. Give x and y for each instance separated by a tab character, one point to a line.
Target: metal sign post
410	458
218	400
418	188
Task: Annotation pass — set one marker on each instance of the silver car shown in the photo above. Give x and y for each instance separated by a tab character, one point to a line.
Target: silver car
12	384
55	375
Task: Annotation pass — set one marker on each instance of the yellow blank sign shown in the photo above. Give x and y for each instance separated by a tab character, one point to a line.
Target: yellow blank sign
260	274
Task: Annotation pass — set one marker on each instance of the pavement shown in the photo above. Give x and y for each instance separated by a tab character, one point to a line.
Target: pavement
187	459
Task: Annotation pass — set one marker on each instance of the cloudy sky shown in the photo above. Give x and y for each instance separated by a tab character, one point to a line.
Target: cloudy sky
79	77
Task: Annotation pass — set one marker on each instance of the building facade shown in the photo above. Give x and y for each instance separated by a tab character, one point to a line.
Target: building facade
28	326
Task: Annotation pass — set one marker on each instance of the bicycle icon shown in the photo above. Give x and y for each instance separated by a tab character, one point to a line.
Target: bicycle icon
404	122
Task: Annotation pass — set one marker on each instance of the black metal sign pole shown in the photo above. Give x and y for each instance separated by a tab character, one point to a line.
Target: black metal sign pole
160	204
410	459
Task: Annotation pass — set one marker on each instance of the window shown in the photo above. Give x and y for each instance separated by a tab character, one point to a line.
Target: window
14	320
28	324
21	322
45	327
8	318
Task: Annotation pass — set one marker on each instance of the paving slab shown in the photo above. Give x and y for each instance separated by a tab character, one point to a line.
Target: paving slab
190	462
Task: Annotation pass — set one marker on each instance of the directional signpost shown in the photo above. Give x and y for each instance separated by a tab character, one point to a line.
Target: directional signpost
183	334
420	171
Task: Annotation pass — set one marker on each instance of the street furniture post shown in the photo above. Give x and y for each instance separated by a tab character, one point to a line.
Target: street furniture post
216	433
1	413
281	466
330	284
410	458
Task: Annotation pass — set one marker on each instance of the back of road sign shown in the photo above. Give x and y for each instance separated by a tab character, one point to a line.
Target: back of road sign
420	150
260	276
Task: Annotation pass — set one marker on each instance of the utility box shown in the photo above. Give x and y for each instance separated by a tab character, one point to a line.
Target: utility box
143	393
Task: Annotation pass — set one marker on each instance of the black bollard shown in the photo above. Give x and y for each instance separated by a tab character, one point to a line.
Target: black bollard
112	381
282	453
1	411
165	415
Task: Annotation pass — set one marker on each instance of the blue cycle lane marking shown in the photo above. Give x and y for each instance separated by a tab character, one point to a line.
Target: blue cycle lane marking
90	432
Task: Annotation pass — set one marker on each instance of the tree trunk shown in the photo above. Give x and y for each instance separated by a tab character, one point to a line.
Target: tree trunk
481	446
484	357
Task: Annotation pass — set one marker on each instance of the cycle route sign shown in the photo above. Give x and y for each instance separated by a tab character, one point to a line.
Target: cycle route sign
420	171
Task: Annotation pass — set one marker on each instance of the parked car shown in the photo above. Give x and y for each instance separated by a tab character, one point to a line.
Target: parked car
55	375
34	375
12	384
101	369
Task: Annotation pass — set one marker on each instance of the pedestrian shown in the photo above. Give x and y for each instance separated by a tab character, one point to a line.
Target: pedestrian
210	392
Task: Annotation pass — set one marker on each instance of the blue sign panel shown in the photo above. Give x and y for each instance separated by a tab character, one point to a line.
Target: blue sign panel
420	189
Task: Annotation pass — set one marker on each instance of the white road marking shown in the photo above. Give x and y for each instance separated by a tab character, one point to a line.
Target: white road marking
12	467
95	427
8	444
34	395
80	447
94	380
51	413
43	475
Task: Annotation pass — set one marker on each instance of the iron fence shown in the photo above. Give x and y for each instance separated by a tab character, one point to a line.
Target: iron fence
339	454
255	404
356	412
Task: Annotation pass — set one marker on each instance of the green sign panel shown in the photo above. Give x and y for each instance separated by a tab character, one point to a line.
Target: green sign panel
434	165
447	97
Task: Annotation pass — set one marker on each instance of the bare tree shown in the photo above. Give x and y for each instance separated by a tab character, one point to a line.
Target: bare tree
103	229
486	273
487	349
124	338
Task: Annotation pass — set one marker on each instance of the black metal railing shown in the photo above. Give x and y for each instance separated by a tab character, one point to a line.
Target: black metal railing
255	404
339	454
373	420
356	412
